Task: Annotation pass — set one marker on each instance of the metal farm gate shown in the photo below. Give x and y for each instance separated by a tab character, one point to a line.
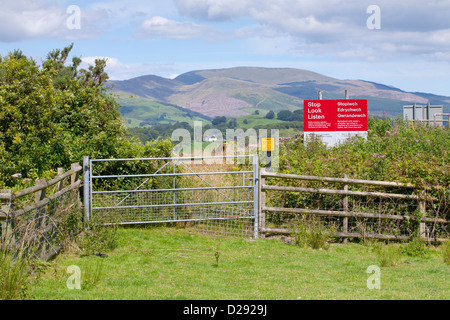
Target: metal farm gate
217	195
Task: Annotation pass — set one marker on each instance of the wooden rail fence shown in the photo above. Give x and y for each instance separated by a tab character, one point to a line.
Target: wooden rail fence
26	219
345	212
39	215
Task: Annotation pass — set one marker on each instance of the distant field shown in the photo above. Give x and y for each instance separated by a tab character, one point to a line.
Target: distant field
255	120
167	263
136	110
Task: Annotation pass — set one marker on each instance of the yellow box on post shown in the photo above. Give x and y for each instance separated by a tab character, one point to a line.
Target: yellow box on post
267	144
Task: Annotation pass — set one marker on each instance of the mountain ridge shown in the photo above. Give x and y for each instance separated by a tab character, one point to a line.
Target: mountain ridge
237	91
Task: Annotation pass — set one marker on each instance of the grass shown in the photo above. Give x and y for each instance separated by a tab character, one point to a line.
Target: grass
136	110
166	263
446	252
13	275
388	255
254	120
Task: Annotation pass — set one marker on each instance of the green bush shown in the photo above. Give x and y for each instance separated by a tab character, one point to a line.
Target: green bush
312	233
387	255
395	150
97	238
416	247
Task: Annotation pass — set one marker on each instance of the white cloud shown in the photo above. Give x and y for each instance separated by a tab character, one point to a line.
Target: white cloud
110	61
337	26
25	19
438	56
160	27
116	70
213	10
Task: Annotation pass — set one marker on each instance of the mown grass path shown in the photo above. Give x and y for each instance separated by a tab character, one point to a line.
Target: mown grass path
166	263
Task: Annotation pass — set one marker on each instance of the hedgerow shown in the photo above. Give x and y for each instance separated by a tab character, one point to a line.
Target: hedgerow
395	150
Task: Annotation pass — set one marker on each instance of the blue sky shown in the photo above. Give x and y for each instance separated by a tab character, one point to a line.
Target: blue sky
410	49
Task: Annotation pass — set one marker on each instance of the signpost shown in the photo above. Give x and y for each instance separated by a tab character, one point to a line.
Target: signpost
267	144
333	121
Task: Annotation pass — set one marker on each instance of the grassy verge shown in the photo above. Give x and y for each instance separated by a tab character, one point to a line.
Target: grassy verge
164	263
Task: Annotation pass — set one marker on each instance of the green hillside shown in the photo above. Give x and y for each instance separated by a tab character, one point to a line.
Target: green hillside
141	112
270	76
269	100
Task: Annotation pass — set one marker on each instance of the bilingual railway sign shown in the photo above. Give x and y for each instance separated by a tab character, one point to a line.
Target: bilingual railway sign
334	121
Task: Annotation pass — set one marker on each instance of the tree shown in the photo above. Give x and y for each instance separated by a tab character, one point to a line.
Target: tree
270	115
218	120
144	134
232	123
297	115
53	115
284	115
28	133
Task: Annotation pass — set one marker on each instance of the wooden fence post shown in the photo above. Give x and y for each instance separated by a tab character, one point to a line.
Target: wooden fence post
7	219
3	215
75	176
40	195
73	179
61	183
422	225
345	203
40	217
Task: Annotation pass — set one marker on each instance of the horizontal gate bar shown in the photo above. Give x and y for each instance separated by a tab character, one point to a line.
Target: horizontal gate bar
174	158
181	220
169	174
176	189
173	205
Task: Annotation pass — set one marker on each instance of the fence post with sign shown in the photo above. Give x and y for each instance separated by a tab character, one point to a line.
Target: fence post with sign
267	146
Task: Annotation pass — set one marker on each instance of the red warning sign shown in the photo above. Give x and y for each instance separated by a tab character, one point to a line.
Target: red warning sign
335	115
